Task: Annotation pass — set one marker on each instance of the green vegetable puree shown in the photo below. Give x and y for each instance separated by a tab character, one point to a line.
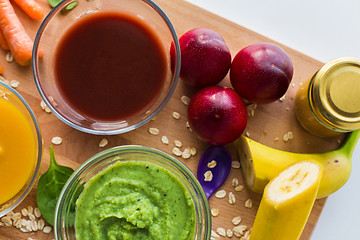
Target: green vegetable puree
134	200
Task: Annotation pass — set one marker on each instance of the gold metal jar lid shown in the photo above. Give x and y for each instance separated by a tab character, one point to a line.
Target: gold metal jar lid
334	94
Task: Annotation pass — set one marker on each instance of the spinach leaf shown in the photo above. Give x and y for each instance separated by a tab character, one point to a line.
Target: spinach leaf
70	6
49	187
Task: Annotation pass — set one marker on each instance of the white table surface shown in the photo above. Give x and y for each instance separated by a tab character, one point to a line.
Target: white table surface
324	30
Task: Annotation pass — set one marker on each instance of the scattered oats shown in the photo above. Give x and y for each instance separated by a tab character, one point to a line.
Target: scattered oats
44	107
288	136
235	182
265	132
24	212
23	222
176	115
56	141
9	57
215	212
41	224
34	226
17	223
214	235
164	140
232	198
154	118
221	232
154	131
37	213
235	164
282	98
247	134
7	221
16	216
28	226
229	233
212	164
186	153
31	216
208	176
177	143
187	124
239	188
10	214
24	229
47	229
236	220
177	152
220	194
148	112
14	83
248	203
1	224
246	236
239	230
193	151
103	142
185	100
276	139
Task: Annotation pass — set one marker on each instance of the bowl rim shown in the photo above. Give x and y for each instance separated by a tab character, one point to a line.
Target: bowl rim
181	167
176	72
39	149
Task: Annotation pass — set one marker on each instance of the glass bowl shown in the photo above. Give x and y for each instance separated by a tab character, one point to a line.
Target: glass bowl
65	208
25	173
49	35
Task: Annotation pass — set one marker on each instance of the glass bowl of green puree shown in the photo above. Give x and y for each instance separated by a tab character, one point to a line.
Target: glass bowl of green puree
132	192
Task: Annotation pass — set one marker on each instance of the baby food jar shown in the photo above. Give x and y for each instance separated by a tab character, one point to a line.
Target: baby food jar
329	102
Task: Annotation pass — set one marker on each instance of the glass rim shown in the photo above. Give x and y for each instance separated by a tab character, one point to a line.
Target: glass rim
179	166
39	153
175	76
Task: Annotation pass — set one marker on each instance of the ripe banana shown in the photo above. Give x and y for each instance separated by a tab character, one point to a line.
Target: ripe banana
261	163
287	202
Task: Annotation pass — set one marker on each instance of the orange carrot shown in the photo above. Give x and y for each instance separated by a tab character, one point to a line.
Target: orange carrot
31	8
1	69
3	43
18	40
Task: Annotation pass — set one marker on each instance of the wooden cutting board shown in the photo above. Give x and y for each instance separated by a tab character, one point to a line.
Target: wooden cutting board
268	123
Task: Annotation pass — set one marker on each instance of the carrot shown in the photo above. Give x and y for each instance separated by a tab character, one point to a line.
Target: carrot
31	8
16	37
3	43
1	69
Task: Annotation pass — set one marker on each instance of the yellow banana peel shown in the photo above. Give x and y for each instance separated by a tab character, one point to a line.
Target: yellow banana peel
261	163
287	202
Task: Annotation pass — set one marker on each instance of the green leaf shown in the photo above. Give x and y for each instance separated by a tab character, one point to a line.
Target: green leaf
70	6
49	187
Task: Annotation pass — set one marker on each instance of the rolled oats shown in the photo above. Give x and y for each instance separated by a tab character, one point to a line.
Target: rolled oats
103	142
239	188
221	232
236	220
177	152
47	229
164	140
154	131
186	153
176	115
229	233
185	100
212	164
214	212
56	141
235	182
220	194
232	198
235	164
177	143
208	176
248	203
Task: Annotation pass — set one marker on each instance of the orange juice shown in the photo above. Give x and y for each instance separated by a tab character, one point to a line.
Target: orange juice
17	150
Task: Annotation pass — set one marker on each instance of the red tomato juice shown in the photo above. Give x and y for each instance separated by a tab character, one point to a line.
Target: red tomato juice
110	66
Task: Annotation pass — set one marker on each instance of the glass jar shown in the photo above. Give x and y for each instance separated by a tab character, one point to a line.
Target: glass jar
329	102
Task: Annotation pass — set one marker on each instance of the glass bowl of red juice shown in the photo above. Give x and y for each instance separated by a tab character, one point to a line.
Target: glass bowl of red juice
20	149
104	67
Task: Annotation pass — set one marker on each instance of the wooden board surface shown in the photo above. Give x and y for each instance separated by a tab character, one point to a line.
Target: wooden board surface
275	119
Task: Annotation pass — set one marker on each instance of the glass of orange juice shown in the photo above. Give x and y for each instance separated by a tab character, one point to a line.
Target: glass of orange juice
20	148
